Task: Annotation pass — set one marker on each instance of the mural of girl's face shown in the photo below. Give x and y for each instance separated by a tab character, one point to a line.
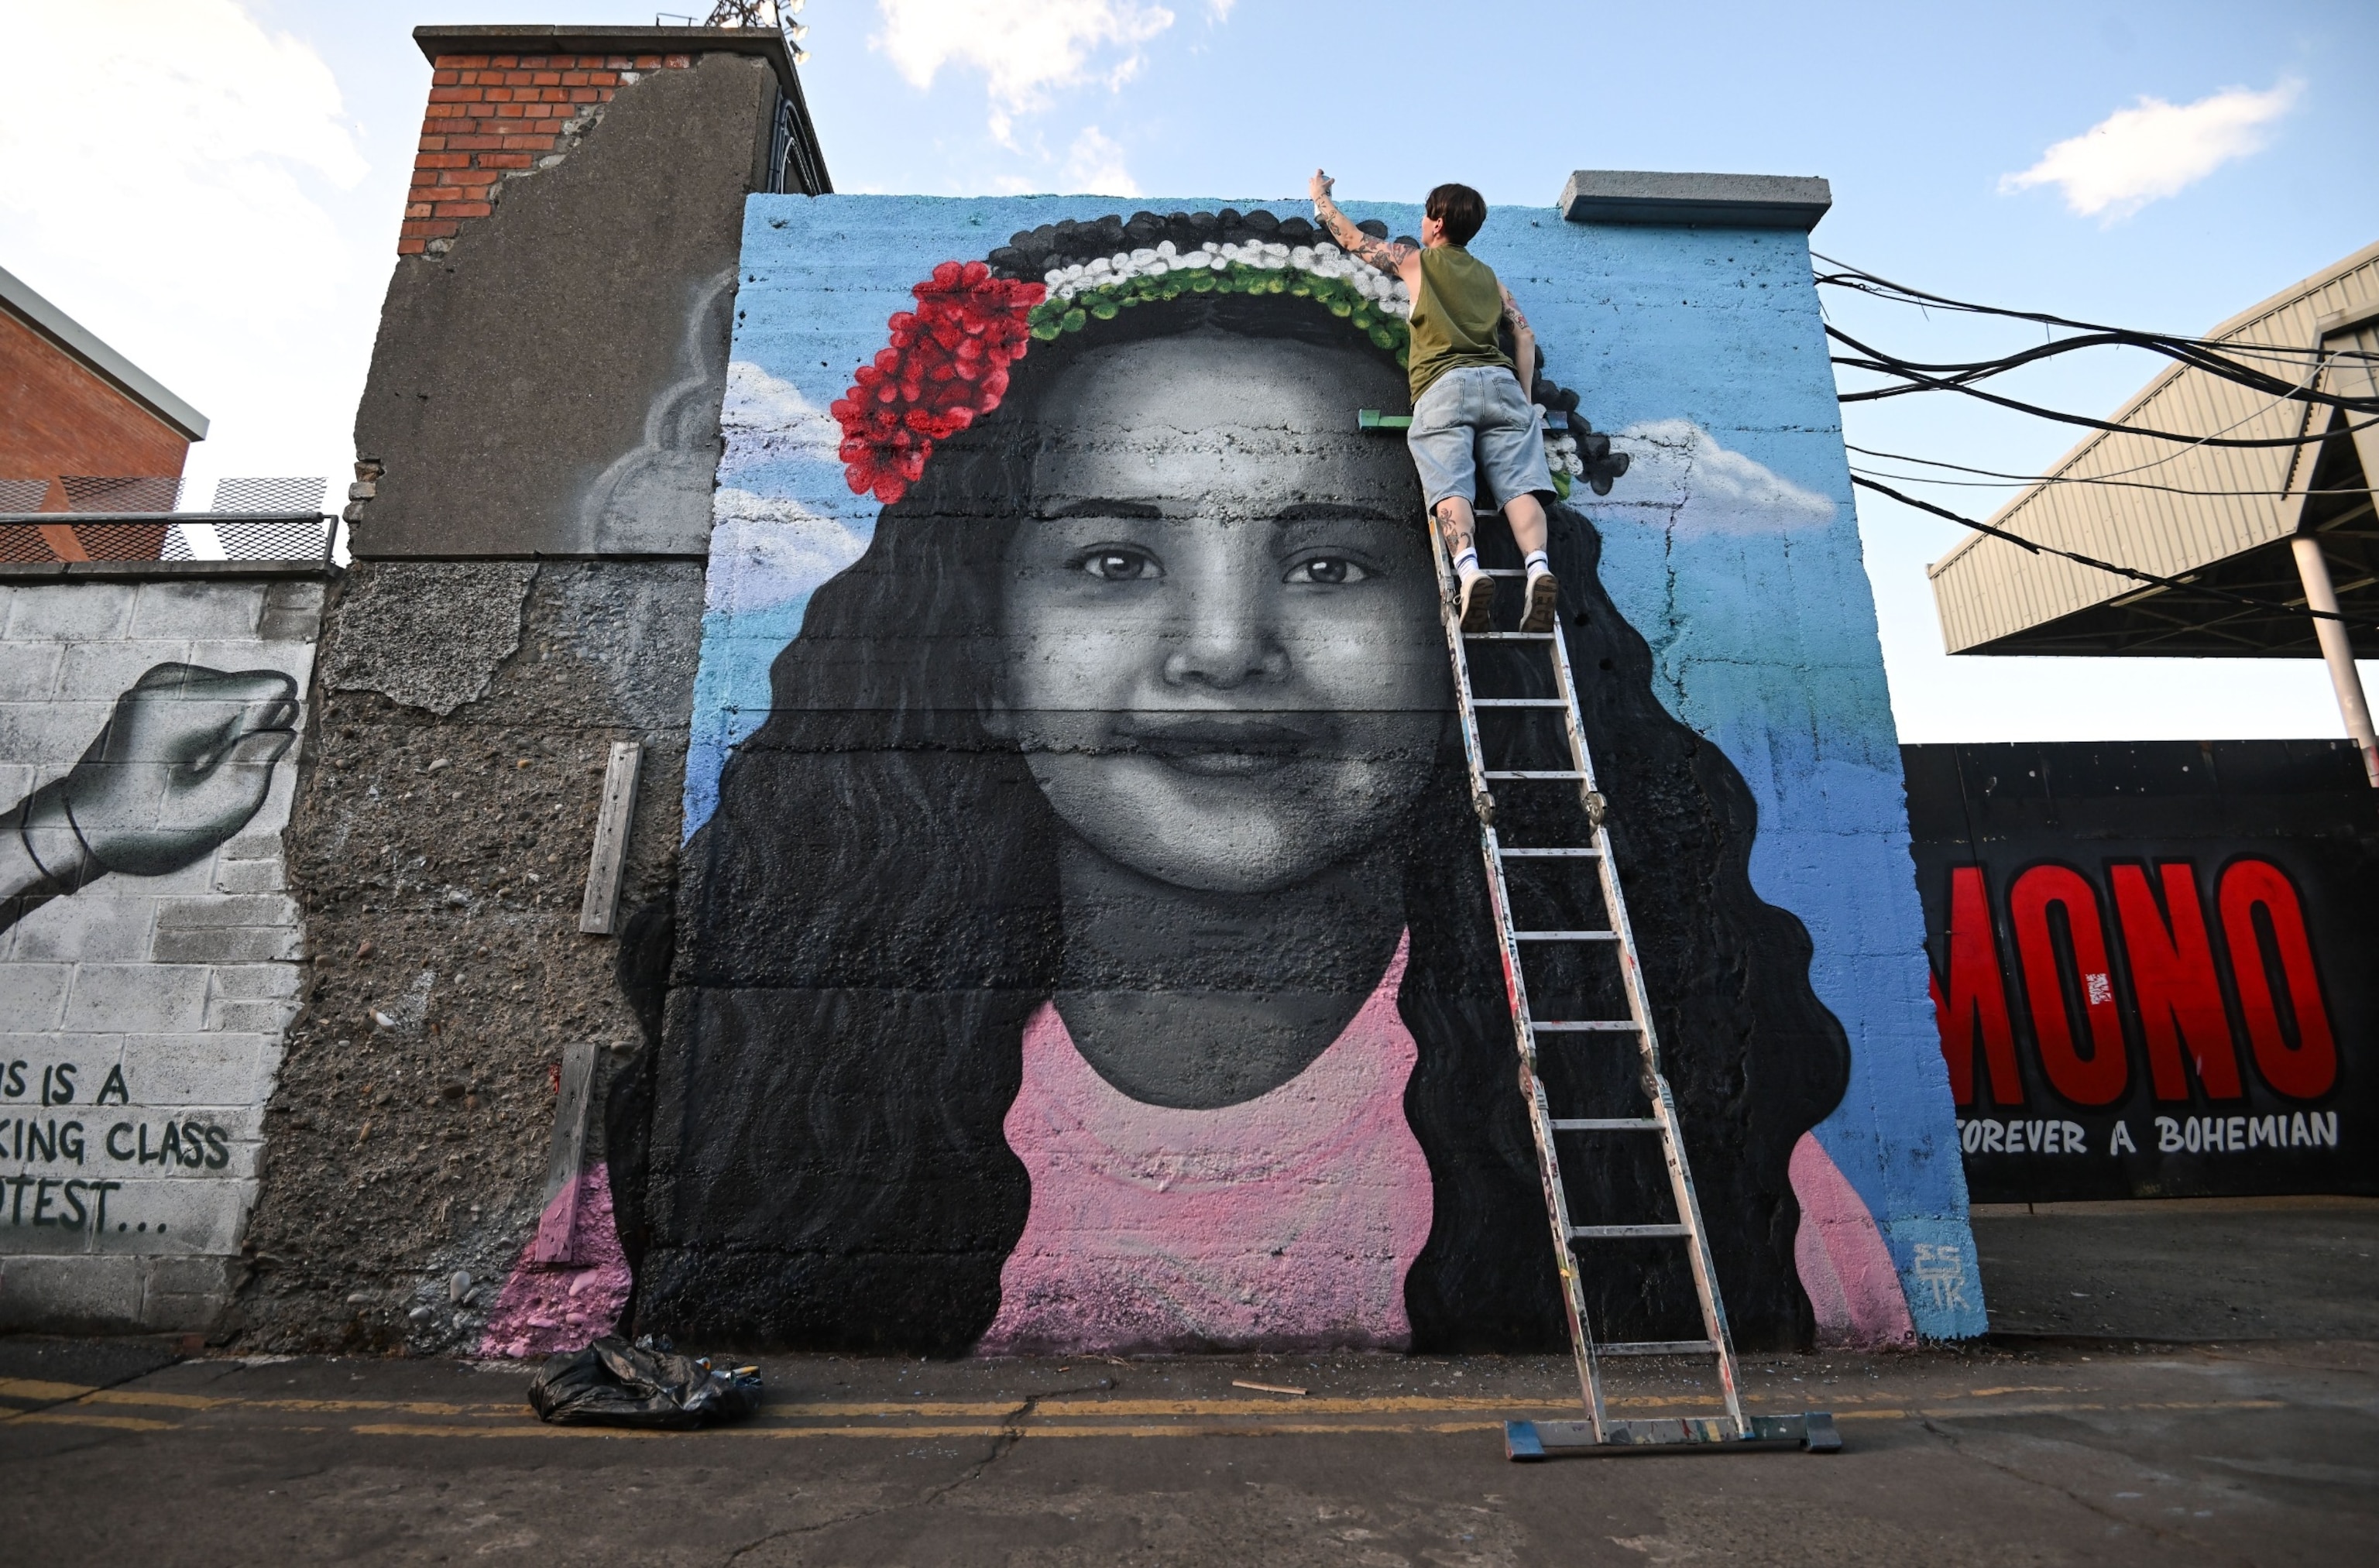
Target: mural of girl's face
1223	660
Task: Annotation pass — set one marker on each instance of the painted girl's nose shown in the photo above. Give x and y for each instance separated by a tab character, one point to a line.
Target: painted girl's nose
1225	648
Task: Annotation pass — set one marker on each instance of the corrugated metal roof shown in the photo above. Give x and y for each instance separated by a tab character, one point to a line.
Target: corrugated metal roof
1987	590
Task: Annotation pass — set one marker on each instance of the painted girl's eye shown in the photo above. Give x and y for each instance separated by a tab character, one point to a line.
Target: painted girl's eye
1120	565
1329	570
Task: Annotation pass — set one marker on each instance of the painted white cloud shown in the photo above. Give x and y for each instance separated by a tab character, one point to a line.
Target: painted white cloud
1025	49
766	420
767	550
2154	149
1680	476
164	169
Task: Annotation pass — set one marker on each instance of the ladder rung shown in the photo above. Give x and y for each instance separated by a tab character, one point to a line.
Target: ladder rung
1659	1347
1624	1232
1507	636
1547	854
1527	773
1506	571
1565	937
1587	1026
1519	702
1606	1124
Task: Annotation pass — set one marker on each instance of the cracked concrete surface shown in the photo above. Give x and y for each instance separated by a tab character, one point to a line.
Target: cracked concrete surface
441	852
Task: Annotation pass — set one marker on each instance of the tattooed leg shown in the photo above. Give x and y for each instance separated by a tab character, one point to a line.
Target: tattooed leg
1454	521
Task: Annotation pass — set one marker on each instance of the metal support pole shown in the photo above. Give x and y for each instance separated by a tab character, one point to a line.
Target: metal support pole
2336	651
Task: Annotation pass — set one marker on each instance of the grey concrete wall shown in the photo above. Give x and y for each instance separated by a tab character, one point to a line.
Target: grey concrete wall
444	813
142	1013
549	385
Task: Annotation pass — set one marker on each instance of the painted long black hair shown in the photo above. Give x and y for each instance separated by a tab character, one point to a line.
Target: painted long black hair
871	915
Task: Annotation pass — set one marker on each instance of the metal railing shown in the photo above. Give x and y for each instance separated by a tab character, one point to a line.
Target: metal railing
155	517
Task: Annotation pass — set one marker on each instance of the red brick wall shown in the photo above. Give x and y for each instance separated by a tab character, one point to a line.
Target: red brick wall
490	114
58	417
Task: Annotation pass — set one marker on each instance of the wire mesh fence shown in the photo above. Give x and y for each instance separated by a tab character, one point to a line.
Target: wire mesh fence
303	494
109	492
157	517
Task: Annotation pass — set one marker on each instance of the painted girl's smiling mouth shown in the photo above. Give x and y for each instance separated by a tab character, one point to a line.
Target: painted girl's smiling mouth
1217	746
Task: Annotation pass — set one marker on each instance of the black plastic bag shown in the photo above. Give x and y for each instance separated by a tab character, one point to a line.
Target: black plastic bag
613	1384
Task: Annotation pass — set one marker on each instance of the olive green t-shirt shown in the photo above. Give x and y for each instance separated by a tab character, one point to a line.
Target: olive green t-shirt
1454	316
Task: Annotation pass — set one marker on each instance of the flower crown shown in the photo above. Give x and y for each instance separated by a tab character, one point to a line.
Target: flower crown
1374	302
948	363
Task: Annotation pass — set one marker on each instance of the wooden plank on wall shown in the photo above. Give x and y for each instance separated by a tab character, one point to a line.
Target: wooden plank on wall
558	1225
608	861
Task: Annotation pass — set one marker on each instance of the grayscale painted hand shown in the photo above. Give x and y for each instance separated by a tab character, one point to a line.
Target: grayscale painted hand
180	766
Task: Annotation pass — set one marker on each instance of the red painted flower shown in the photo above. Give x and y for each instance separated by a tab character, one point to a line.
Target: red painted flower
946	367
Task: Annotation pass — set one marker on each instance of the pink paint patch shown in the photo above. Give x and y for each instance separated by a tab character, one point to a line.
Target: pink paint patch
1287	1222
1844	1265
545	1307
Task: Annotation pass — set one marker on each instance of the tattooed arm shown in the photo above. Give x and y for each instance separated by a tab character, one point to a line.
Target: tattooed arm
1524	346
1397	261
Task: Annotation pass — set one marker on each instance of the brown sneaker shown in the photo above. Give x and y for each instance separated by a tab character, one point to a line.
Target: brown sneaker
1478	592
1543	603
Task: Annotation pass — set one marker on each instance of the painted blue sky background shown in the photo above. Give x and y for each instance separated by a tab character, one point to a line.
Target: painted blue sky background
294	119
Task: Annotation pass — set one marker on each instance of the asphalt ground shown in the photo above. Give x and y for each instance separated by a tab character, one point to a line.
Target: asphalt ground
2204	1269
2055	1443
2260	1453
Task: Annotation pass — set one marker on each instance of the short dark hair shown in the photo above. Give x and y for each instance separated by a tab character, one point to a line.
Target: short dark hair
1462	209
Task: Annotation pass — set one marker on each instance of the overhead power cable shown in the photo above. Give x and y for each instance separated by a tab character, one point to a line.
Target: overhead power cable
2218	359
1917	380
2203	589
2113	480
2019	484
1860	281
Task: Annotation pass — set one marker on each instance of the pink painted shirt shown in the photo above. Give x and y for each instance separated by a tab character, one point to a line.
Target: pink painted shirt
1286	1222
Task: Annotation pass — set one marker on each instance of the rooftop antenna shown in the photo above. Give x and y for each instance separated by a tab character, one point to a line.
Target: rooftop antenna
778	13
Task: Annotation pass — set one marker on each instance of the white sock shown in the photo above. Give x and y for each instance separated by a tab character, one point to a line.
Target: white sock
1536	562
1467	563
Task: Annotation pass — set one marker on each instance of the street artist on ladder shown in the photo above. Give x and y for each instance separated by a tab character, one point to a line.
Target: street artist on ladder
1471	404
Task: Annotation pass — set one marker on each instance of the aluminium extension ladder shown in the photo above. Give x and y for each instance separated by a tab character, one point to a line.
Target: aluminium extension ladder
1600	1433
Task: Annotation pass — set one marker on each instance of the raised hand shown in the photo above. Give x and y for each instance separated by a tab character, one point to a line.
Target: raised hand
180	766
1321	186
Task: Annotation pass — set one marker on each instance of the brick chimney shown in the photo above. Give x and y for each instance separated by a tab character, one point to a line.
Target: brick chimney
506	102
493	115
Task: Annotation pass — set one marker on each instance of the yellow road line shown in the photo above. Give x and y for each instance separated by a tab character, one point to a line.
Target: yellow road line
27	1388
78	1418
1933	1413
1268	1428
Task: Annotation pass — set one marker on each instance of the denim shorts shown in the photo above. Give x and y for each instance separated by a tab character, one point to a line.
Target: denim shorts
1474	418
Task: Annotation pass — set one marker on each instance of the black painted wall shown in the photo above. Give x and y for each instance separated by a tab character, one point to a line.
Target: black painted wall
2151	963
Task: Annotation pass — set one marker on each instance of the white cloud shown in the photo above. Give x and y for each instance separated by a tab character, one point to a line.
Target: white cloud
759	404
1680	476
162	175
1094	165
1024	48
767	550
2154	149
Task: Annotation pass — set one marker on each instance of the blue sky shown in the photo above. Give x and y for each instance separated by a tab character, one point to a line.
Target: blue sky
231	226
